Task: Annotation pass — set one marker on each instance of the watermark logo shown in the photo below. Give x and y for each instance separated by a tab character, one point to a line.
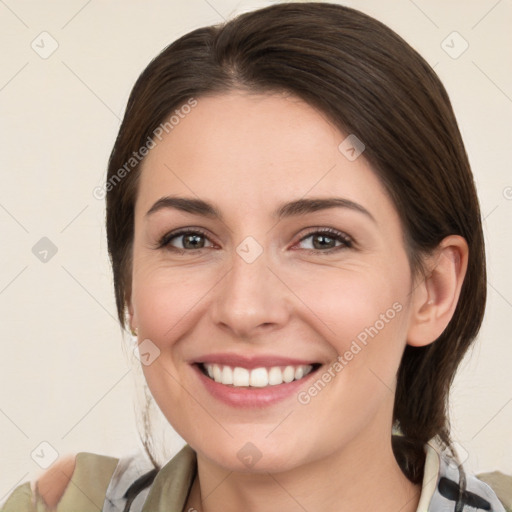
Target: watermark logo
249	454
146	352
461	453
351	147
249	249
44	454
45	45
454	45
44	250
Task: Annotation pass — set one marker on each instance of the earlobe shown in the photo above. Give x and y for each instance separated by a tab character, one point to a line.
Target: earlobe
435	298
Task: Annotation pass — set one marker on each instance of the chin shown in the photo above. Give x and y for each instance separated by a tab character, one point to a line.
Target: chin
258	455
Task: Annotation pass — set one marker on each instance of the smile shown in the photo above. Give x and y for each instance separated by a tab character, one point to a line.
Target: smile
238	376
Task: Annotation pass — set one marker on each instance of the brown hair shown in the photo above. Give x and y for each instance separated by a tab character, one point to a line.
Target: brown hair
369	82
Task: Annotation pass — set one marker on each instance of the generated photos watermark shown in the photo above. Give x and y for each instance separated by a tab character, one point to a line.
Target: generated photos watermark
101	191
304	397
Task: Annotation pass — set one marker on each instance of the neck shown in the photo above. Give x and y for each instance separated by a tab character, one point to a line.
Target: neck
362	476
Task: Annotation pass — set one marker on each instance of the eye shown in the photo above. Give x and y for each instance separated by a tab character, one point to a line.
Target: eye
323	240
189	239
327	240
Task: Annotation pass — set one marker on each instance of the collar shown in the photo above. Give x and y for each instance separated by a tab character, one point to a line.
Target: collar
447	486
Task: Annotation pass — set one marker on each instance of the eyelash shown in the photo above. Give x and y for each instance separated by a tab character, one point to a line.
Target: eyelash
348	243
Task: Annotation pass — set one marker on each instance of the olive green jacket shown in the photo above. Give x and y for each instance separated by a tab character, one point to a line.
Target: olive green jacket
93	474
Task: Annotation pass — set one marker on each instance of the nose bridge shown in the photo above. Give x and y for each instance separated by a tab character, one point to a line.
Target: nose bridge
250	295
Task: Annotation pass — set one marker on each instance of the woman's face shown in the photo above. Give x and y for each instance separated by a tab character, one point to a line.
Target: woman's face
247	285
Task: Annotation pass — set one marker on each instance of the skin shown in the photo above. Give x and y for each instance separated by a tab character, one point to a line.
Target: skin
248	154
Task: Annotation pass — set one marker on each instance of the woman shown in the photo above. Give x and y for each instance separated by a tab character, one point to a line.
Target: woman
296	242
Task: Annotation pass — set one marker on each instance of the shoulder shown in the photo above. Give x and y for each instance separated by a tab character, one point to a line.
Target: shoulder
454	487
76	481
501	484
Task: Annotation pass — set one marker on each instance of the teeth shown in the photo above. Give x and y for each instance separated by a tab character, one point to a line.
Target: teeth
241	377
217	373
275	376
289	374
227	375
258	377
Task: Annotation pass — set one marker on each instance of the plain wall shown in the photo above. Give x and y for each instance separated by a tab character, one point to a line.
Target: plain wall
65	378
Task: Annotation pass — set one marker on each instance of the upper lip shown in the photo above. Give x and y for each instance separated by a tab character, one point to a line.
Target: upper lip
251	362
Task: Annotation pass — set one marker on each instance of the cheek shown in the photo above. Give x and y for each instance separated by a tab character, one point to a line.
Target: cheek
347	302
165	300
167	303
362	315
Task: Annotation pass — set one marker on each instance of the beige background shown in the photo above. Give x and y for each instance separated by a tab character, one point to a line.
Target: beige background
65	378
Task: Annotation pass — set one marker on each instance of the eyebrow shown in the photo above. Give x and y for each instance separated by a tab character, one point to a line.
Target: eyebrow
290	209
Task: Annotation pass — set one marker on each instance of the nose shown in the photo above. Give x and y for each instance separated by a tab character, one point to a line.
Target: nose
251	300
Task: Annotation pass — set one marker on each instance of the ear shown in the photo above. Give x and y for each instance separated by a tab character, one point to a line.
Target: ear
130	317
435	298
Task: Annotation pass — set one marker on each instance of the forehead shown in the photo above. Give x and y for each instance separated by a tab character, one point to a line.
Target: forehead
254	149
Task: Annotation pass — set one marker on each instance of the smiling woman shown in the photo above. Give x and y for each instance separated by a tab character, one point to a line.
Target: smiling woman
301	259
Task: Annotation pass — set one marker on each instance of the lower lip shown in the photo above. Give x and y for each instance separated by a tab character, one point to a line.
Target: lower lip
253	396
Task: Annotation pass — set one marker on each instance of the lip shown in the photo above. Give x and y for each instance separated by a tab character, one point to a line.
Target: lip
252	397
252	362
